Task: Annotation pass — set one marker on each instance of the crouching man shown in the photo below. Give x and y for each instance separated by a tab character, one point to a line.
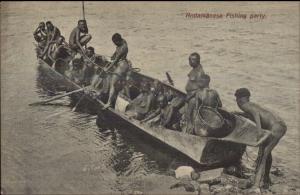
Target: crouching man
264	119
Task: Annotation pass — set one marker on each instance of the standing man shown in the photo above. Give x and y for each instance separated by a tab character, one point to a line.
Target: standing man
79	37
119	61
264	119
191	88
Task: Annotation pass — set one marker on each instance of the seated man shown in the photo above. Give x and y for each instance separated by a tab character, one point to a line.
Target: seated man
209	98
40	35
206	96
166	115
58	50
79	37
267	120
53	34
90	64
141	105
76	74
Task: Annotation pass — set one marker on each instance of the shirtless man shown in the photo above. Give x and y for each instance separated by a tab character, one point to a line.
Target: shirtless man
79	37
53	33
168	115
206	96
121	67
40	35
90	64
267	120
191	88
142	104
56	49
76	74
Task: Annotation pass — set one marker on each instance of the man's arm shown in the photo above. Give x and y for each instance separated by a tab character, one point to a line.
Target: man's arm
151	116
219	102
36	31
119	54
255	114
46	49
49	54
77	40
169	116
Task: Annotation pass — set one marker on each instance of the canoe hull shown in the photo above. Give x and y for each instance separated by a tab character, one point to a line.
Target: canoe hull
206	151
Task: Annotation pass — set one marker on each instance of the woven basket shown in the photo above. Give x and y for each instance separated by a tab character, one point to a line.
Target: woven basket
208	122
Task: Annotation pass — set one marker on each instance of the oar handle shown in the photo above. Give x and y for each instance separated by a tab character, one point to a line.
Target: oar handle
57	97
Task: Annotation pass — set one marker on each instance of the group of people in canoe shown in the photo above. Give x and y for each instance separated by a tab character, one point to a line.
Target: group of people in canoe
153	104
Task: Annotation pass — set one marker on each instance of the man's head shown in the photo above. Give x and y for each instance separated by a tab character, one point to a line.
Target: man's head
157	86
117	39
194	59
90	51
82	25
242	96
42	25
162	101
204	81
146	87
49	25
60	40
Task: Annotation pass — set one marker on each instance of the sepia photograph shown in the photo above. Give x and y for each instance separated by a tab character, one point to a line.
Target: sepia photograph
136	97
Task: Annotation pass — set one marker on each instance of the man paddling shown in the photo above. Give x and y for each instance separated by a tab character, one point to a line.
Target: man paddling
121	67
264	119
191	88
79	37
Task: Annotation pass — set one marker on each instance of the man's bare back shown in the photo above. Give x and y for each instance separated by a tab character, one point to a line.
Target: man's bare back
267	118
209	97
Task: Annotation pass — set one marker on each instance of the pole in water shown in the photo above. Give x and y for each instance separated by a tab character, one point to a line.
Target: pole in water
83	13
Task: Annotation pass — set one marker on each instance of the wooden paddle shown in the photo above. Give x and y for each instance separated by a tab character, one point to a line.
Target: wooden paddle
77	104
56	97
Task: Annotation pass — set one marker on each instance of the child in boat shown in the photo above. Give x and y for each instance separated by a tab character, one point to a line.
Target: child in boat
264	119
166	115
